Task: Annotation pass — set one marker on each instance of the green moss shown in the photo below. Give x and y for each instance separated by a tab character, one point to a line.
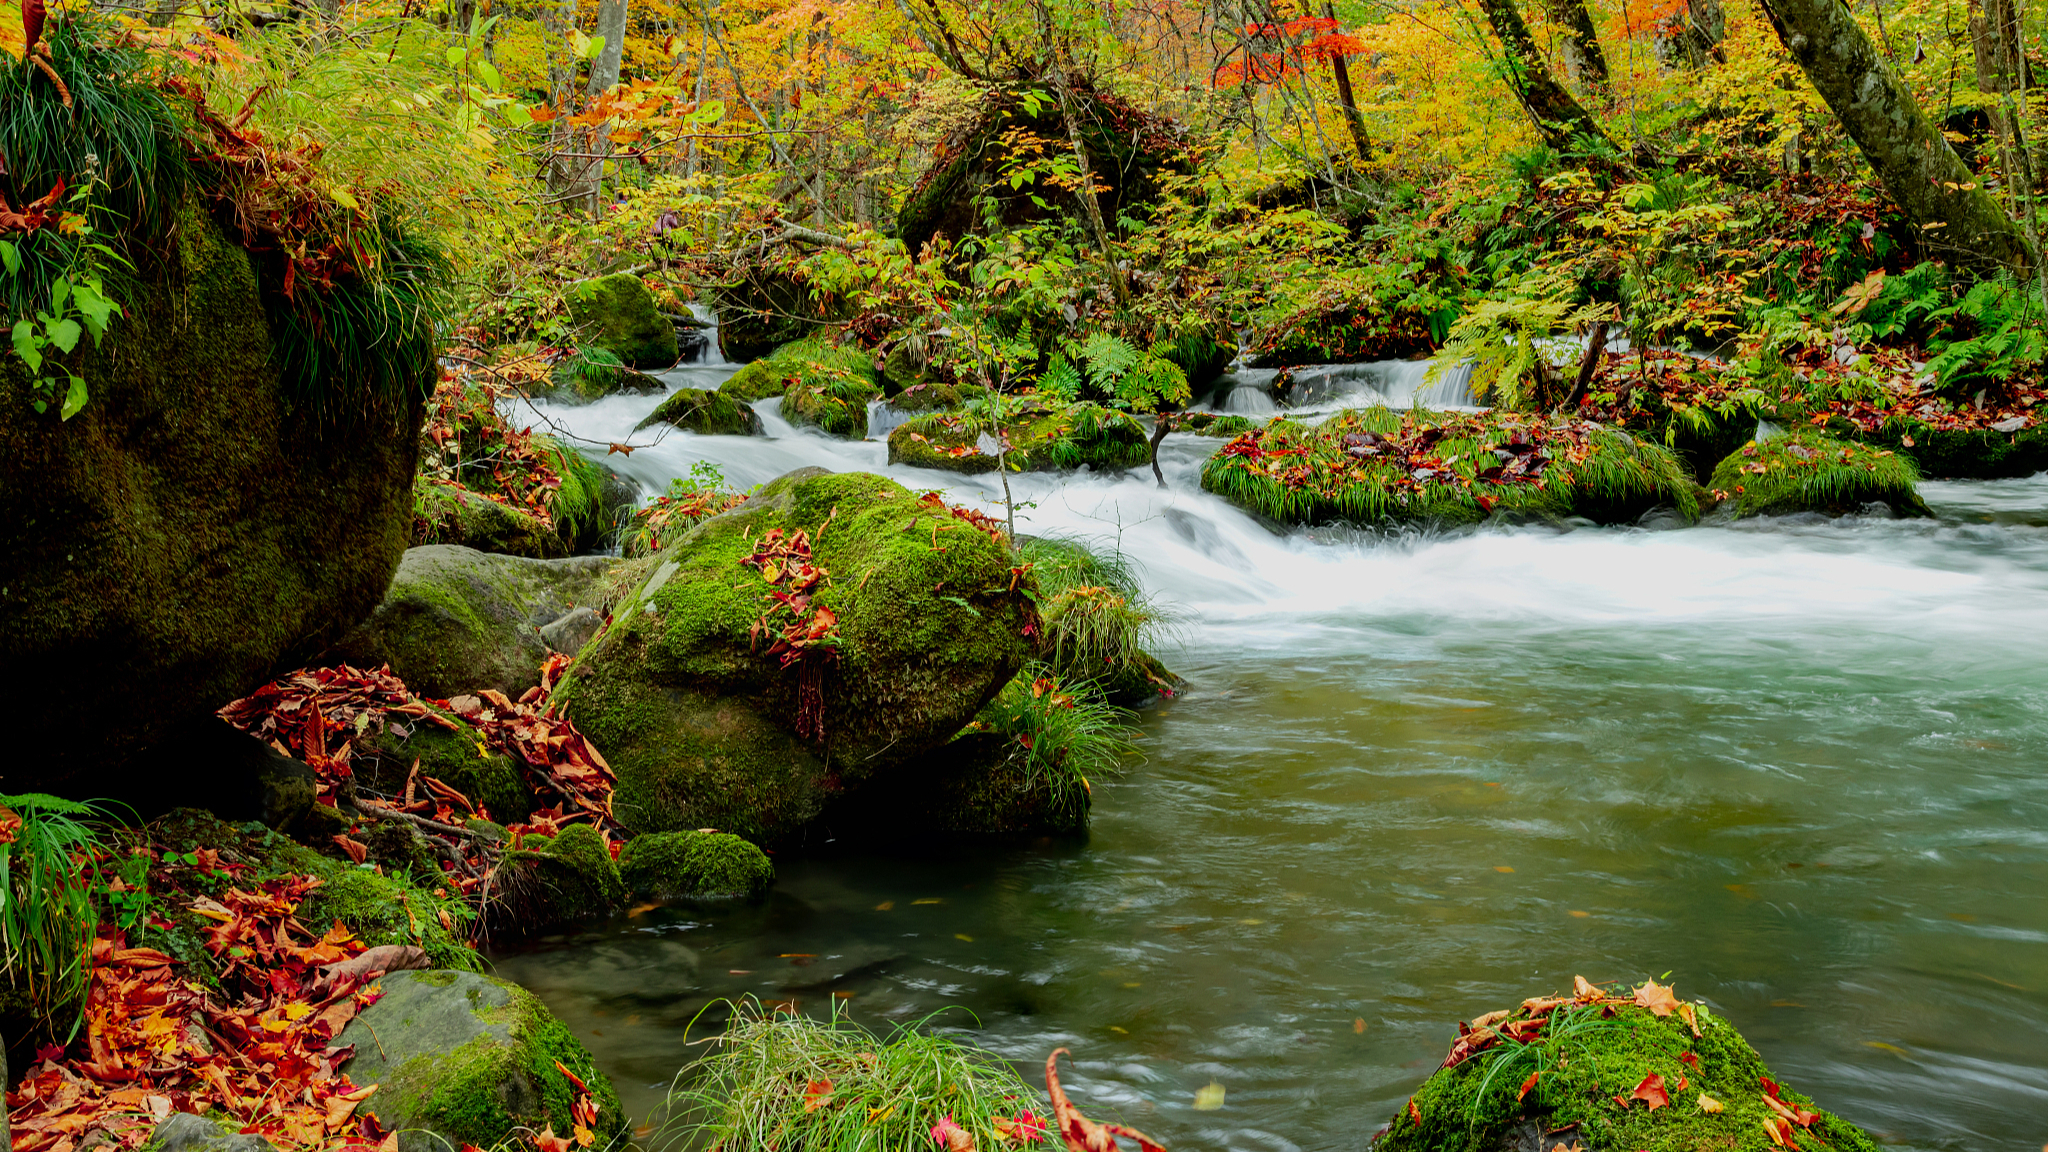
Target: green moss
1588	1060
707	413
670	865
563	880
834	402
446	513
1215	424
1043	438
1804	471
458	758
699	722
935	398
578	506
617	313
1300	475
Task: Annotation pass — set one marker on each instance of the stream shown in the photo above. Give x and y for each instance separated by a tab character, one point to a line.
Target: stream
1797	764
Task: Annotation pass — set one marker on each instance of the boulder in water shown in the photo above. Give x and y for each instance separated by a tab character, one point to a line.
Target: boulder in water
767	301
1378	468
198	525
548	881
617	313
705	413
1043	438
457	620
685	865
1804	471
466	1060
1616	1071
804	364
688	691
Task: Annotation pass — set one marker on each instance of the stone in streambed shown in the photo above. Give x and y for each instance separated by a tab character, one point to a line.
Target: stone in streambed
458	621
1043	438
546	882
682	865
699	721
705	413
617	313
1804	471
462	1059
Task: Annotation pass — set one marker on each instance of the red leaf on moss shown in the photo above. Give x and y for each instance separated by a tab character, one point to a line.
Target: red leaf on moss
1652	1092
1527	1086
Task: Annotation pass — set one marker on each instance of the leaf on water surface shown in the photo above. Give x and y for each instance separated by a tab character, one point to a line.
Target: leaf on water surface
1358	1026
1658	998
1210	1098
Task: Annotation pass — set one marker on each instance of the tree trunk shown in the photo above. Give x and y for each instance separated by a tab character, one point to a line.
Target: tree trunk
1693	39
1341	72
604	76
1996	39
1559	117
1579	48
1912	158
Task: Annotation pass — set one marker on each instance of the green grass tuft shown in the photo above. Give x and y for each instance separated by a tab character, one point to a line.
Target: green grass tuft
784	1081
47	913
1063	734
1804	471
1097	618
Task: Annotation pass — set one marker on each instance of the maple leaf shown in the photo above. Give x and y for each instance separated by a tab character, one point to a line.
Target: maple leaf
817	1094
1652	1092
1584	990
1658	998
950	1137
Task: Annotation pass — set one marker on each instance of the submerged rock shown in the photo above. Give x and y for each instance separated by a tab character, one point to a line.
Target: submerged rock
681	865
465	1060
1616	1071
617	313
198	525
704	724
706	413
1045	438
1803	471
1375	467
457	620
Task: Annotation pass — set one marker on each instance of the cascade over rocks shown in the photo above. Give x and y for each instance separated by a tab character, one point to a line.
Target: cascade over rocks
457	620
193	529
918	618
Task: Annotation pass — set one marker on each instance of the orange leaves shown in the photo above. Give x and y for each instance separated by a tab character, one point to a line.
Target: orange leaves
1658	998
1085	1135
810	640
1293	44
817	1094
1652	1092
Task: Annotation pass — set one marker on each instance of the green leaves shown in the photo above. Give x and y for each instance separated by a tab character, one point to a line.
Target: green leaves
78	305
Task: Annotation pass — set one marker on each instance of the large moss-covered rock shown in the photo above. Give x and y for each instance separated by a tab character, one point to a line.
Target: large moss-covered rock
544	882
801	364
457	620
617	313
683	865
586	378
1043	438
196	527
1129	150
706	413
465	1060
1803	471
700	721
469	508
828	388
1376	467
1596	1056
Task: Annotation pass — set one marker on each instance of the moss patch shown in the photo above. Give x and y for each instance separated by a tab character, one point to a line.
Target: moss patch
707	413
445	513
617	314
561	880
384	758
1803	471
1373	466
1044	438
699	722
1217	424
673	865
1588	1059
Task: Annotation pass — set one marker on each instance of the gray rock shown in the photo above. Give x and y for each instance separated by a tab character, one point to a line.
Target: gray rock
457	620
184	1132
569	634
460	1058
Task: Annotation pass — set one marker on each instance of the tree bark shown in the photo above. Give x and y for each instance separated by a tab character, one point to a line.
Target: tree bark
1693	40
604	76
1558	116
1579	49
1341	72
1910	155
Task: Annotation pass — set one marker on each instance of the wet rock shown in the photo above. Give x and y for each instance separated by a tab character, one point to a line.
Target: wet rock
583	381
572	630
196	527
701	722
462	1059
617	313
462	508
457	620
680	865
705	413
453	515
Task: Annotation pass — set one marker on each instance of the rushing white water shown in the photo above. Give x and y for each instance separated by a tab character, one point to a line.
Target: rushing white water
1417	777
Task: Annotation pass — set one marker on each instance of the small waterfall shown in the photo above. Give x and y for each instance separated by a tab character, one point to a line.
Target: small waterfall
707	354
884	419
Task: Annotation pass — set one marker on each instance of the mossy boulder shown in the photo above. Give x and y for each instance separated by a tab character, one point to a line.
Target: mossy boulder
976	786
199	525
684	865
767	301
584	380
705	413
1043	438
1220	425
448	513
457	620
933	397
828	388
449	750
701	723
1594	1058
1377	467
466	1060
1346	329
544	882
1803	471
617	313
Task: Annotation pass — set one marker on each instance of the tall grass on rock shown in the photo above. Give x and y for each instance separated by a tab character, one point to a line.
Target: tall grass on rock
47	919
1098	619
788	1082
1061	737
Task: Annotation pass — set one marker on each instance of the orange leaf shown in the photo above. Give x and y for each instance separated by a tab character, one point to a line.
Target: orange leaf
817	1094
1651	1091
1527	1085
1658	998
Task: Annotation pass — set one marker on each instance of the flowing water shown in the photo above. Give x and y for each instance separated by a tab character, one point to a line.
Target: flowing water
1799	765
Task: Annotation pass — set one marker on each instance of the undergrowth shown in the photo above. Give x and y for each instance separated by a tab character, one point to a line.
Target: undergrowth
1097	617
47	912
780	1080
1062	734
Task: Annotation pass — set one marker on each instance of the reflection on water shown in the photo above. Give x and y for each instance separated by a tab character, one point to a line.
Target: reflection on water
1797	765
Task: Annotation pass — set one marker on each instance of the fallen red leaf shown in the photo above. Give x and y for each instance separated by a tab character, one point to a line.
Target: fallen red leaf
1652	1092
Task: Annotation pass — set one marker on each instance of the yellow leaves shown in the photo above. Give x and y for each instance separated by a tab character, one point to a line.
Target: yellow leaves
11	40
1708	1103
1209	1098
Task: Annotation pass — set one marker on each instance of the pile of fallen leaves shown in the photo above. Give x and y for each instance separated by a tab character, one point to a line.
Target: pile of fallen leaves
467	443
157	1041
315	715
809	639
675	513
